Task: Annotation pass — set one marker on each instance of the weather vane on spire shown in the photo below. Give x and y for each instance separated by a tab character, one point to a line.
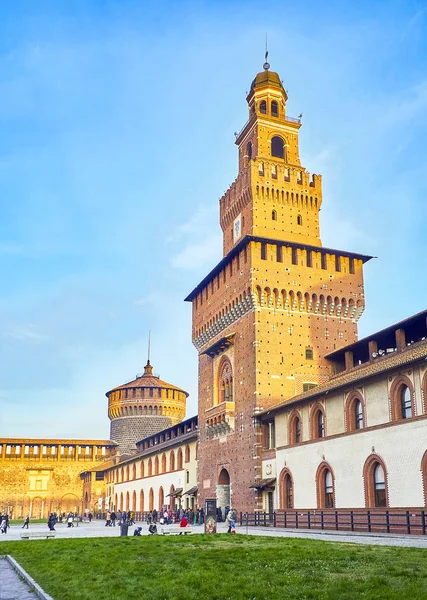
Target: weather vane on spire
148	356
266	65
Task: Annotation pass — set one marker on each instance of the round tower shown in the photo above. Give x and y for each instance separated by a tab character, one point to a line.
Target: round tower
142	408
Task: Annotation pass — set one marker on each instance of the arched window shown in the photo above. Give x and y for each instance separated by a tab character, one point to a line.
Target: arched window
274	215
379	486
249	150
225	381
263	107
156	465
309	354
358	414
187	453
151	499
299	220
402	398
179	459
161	498
406	402
286	489
329	490
320	424
141	470
134	501
274	109
277	147
172	461
150	468
141	500
134	471
294	432
317	421
375	480
325	486
355	412
163	463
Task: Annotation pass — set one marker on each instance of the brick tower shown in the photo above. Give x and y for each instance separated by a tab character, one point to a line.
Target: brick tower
265	317
142	408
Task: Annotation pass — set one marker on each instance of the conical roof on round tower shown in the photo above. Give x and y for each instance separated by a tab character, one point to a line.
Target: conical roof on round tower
147	380
143	407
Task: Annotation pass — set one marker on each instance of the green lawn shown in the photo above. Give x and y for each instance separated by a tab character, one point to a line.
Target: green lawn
221	567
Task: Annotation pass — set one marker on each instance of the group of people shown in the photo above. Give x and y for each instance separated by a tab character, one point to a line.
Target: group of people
4	522
53	520
167	516
121	518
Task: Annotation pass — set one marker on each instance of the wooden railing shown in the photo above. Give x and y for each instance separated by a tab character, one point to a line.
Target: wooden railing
368	521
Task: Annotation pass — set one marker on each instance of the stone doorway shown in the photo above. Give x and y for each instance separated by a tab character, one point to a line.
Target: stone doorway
223	493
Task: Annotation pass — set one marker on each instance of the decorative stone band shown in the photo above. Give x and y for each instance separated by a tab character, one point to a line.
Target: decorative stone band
282	301
240	309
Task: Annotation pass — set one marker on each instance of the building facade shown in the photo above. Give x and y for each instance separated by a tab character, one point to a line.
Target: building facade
267	315
359	441
293	411
40	476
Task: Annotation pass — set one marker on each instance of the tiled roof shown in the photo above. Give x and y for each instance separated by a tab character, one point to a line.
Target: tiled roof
147	380
379	365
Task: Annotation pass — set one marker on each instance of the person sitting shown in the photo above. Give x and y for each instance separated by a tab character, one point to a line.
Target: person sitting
137	531
184	522
152	529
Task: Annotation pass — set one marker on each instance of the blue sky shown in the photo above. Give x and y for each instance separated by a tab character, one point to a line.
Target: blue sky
116	142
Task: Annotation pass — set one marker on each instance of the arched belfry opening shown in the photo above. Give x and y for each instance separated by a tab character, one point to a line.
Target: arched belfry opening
223	494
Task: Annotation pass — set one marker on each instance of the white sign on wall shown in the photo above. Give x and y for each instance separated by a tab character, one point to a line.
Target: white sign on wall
237	228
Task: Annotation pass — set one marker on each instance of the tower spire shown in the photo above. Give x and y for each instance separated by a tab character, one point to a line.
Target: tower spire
266	65
148	369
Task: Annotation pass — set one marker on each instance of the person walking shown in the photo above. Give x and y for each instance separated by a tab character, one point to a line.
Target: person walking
108	519
51	522
3	524
26	522
70	520
113	519
229	519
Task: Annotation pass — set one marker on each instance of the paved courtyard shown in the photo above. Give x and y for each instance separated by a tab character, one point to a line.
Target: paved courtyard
98	529
11	585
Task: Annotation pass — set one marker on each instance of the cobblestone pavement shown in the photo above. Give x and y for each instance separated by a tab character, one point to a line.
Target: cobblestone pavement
98	529
11	585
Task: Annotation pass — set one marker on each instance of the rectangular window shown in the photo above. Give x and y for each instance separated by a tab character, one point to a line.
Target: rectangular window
263	251
309	258
294	256
279	253
308	386
271	436
324	264
337	263
351	265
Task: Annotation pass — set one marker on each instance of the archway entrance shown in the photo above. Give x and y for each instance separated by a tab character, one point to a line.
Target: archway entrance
223	491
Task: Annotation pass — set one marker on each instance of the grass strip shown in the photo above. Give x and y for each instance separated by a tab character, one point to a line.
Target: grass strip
221	567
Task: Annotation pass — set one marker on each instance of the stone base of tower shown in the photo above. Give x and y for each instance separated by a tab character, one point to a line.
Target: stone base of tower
126	431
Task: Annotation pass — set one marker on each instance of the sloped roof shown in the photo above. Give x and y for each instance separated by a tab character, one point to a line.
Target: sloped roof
147	380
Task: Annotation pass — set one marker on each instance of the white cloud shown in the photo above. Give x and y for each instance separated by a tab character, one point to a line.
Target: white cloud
198	255
24	331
